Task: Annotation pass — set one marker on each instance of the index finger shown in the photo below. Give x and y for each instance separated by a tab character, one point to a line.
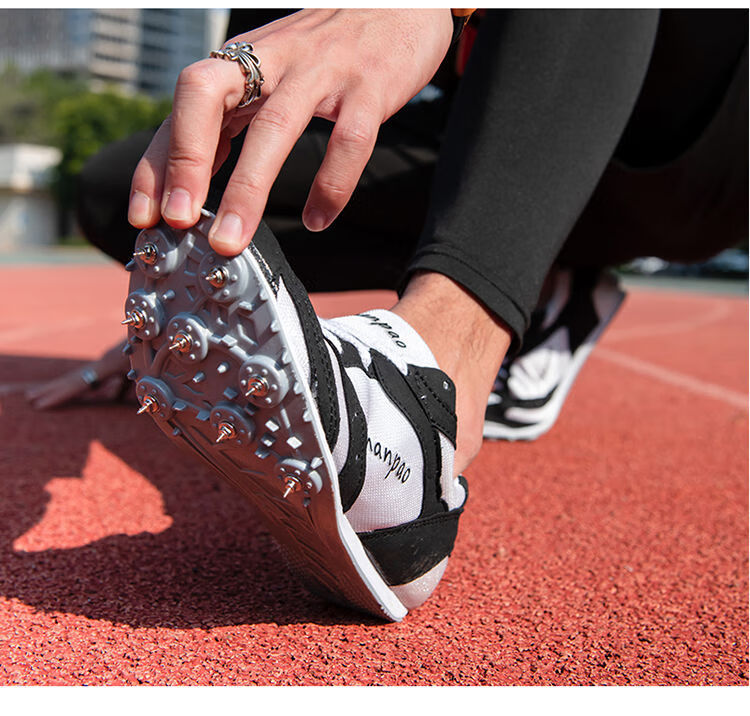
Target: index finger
205	92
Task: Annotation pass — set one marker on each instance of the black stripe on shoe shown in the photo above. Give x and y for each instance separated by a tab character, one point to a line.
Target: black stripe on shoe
394	384
406	552
267	252
437	396
352	473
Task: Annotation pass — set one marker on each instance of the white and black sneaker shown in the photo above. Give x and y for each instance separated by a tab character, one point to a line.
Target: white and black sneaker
532	386
340	432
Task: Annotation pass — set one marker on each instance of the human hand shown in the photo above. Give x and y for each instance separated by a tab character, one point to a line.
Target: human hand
353	67
76	383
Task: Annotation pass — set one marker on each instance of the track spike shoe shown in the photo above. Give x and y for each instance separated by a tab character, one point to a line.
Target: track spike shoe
340	432
531	387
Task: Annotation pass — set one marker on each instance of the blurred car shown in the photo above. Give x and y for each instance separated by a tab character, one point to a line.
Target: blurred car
647	266
730	263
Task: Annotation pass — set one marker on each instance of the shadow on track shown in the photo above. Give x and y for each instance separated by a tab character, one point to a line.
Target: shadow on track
215	565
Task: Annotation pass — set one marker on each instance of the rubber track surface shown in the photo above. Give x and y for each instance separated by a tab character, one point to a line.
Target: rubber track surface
614	550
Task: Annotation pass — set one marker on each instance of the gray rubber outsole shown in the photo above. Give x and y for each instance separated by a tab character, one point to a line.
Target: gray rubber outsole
234	332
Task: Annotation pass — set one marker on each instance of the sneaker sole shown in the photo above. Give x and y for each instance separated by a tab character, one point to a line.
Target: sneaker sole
551	411
275	443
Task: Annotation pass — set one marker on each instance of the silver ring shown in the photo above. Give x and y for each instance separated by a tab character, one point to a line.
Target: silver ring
89	376
243	53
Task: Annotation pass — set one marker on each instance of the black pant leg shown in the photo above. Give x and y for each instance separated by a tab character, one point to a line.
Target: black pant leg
537	117
677	187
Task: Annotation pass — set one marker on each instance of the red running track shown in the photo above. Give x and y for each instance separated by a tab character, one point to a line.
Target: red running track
614	550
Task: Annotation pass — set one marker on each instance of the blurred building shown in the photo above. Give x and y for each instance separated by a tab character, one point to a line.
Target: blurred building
28	215
137	50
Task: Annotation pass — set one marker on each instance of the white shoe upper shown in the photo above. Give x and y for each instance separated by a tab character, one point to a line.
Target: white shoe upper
393	489
396	474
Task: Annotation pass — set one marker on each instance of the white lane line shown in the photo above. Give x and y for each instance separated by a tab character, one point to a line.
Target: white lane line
671	377
715	313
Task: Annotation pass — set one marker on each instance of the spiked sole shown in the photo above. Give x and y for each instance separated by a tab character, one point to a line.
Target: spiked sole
213	367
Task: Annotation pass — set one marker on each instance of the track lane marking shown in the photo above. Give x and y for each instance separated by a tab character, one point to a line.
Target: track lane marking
714	314
672	377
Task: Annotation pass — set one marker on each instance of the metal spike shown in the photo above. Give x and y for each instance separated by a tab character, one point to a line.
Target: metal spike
135	318
257	385
226	432
292	485
181	343
217	276
147	406
147	253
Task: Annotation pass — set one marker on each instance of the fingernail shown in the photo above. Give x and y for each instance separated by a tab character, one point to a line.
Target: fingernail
227	234
179	206
139	210
315	220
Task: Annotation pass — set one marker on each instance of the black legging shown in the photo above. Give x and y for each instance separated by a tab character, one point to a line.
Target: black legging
587	137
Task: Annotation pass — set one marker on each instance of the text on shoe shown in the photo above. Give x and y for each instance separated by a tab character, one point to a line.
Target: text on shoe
395	463
375	321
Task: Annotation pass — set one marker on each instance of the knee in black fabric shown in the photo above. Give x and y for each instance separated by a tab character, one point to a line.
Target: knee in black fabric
686	210
695	57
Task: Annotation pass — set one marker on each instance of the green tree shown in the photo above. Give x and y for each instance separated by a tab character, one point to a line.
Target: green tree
27	101
46	107
86	122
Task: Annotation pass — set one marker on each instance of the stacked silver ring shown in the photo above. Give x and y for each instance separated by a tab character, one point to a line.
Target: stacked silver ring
243	53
